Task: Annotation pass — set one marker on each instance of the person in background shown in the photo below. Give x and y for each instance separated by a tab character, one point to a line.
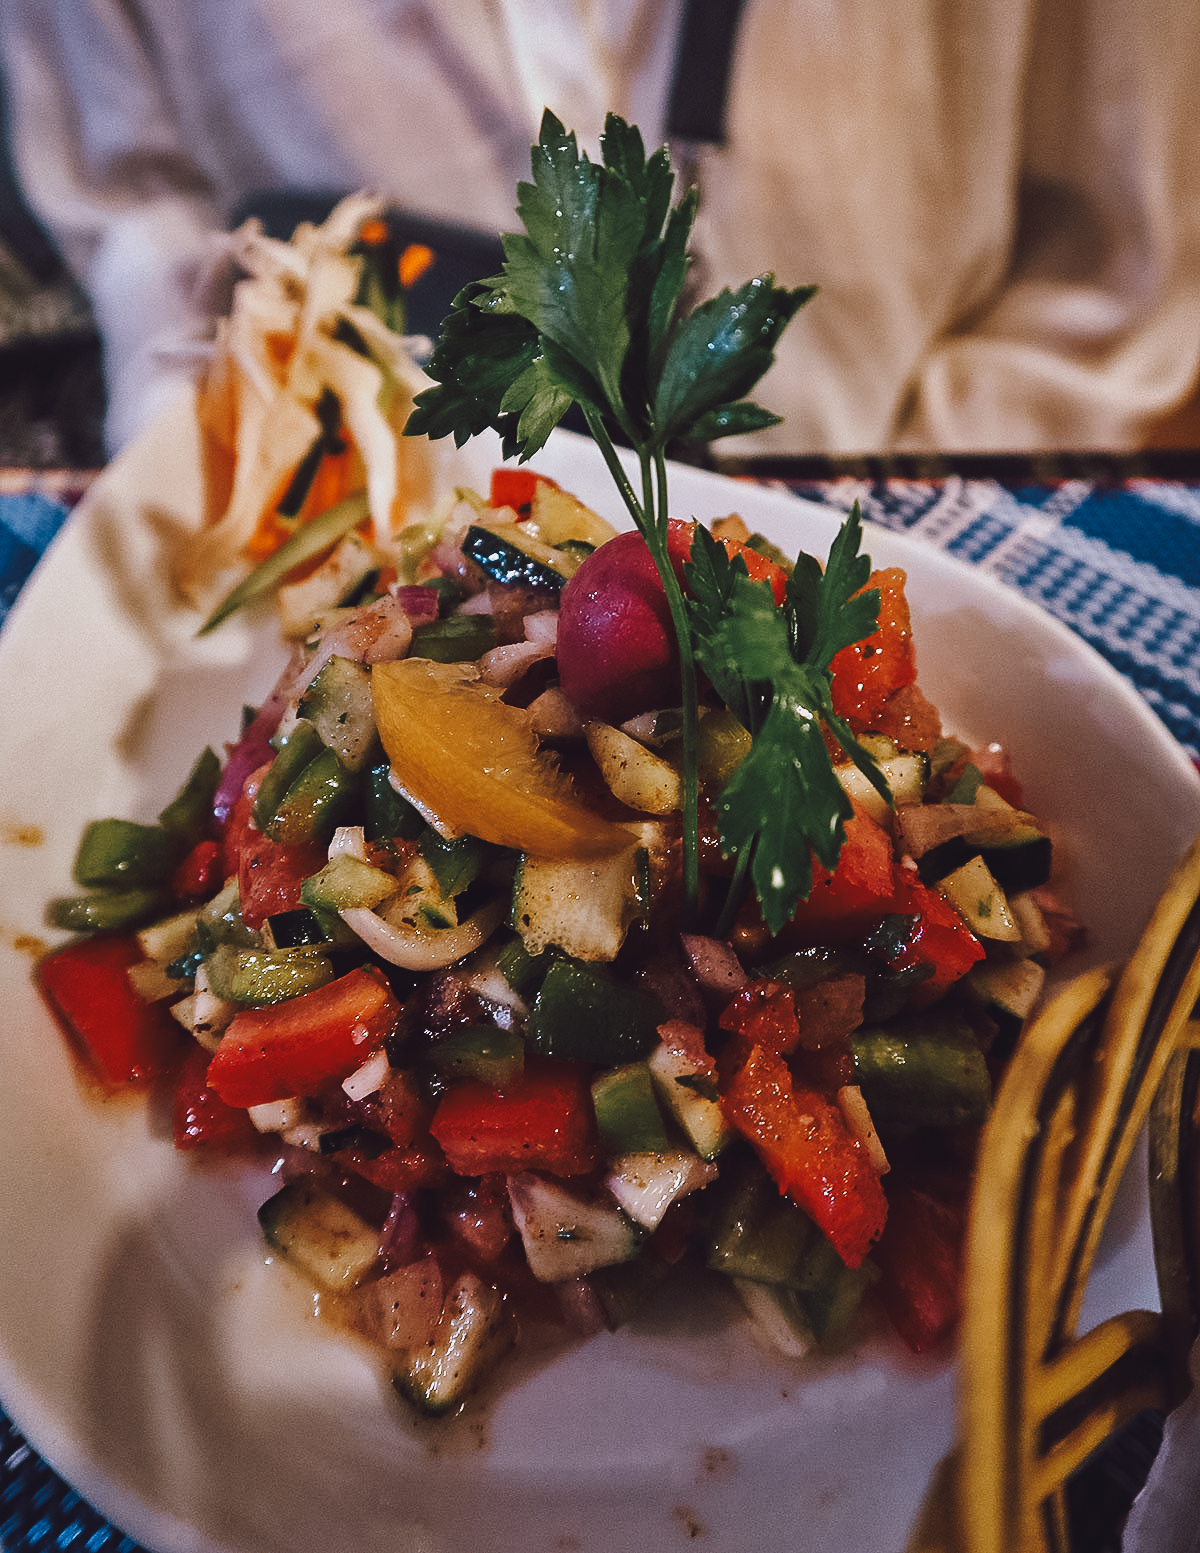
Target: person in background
999	199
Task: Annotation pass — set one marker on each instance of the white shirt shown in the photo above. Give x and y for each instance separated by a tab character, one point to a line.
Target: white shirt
999	199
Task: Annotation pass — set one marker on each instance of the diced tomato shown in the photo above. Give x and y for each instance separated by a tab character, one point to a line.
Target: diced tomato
398	1169
126	1040
270	874
911	720
920	1257
201	873
543	1121
868	673
860	891
515	487
239	823
764	1013
299	1047
682	533
940	938
201	1119
803	1140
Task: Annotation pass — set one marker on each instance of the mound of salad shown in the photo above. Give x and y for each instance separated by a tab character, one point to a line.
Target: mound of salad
583	910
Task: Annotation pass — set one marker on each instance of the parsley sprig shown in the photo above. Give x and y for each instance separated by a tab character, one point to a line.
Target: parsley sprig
588	311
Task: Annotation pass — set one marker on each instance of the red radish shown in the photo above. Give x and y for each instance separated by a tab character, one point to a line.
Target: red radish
617	654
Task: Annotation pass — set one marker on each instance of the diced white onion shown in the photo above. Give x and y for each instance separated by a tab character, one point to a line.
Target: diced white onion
369	1079
431	949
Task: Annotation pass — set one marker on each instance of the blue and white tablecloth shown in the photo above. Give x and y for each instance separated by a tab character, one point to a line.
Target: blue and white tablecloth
1117	560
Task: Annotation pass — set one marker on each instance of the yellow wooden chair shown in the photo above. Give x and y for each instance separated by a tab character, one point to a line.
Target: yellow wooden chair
1115	1049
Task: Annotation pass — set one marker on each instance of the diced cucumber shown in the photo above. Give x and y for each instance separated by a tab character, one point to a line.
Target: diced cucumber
473	1333
583	908
1027	914
778	1316
625	1287
566	1235
169	937
585	1016
1008	990
347	881
558	518
319	1234
923	1071
338	705
691	1097
975	895
301	746
511	553
646	1185
627	1112
906	774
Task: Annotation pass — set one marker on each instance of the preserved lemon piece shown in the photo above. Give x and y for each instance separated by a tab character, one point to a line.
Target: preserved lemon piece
473	765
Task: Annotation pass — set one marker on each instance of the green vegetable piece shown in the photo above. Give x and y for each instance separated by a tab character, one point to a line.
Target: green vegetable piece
755	1232
582	1015
298	750
922	1071
506	562
106	911
521	970
456	639
625	1287
386	815
305	544
187	816
496	1057
346	882
627	1112
257	977
967	785
338	704
455	863
122	853
320	799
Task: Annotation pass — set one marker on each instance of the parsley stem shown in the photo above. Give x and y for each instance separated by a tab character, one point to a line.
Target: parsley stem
651	518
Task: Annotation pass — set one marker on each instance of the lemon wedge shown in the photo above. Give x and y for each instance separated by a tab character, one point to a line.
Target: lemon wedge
473	764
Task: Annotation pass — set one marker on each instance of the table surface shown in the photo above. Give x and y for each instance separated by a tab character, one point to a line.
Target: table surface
1110	547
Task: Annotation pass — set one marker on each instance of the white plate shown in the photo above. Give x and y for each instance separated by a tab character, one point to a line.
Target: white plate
180	1383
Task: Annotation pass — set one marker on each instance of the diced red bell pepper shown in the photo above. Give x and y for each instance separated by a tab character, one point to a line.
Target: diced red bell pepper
543	1121
201	1119
301	1046
920	1258
515	487
201	873
868	673
398	1169
126	1040
809	1151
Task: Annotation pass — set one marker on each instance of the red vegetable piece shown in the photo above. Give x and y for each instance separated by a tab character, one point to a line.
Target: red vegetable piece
201	873
941	938
300	1046
920	1258
617	654
270	874
201	1119
803	1140
867	674
543	1121
861	890
126	1040
398	1169
515	487
764	1012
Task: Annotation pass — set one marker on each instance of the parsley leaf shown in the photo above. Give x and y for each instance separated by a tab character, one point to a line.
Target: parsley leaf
588	311
784	804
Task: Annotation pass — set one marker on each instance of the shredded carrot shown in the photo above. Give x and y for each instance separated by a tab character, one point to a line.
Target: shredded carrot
413	263
374	232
